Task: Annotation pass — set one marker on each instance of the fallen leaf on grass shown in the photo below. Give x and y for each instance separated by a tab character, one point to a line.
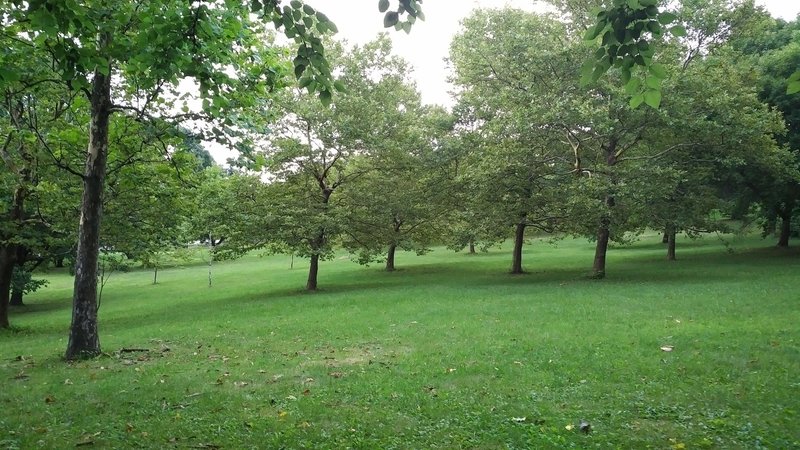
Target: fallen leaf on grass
569	427
49	399
667	348
21	376
519	419
336	374
240	384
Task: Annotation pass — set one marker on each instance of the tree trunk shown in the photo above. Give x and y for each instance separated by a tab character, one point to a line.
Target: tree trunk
665	237
471	247
519	240
155	275
6	272
599	266
313	270
16	298
84	340
786	230
390	258
58	262
671	244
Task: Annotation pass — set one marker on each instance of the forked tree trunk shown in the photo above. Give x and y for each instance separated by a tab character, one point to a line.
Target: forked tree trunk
599	266
313	270
519	240
84	340
671	244
390	258
786	230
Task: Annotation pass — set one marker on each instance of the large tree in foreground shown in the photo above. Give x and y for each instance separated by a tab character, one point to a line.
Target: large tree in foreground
148	47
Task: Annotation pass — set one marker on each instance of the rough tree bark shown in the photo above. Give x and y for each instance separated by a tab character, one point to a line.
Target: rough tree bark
390	258
313	270
603	235
786	229
16	298
671	243
604	231
471	247
84	340
6	272
318	243
519	240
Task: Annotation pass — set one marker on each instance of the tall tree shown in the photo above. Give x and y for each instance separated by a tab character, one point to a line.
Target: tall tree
149	47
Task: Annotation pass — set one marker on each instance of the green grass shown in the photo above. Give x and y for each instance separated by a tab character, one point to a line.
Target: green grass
444	353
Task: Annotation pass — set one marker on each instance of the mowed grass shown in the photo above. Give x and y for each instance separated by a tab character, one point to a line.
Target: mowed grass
449	352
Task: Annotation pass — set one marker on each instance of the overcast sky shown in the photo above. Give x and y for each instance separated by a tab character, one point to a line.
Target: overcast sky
427	45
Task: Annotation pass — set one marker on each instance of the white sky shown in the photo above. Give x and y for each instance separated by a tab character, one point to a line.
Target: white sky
428	44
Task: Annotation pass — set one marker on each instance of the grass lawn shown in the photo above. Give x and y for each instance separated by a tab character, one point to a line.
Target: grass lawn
449	352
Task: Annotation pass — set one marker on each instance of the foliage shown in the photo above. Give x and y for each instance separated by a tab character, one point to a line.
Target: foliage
628	30
24	282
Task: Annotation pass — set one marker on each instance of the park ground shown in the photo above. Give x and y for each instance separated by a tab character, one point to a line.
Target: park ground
449	352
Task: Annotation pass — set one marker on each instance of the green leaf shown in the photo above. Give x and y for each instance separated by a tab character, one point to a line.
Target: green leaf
308	10
632	86
653	83
653	98
593	32
339	86
586	72
390	19
8	75
666	18
636	100
793	87
634	4
625	74
296	4
795	76
383	5
304	81
678	31
325	97
658	71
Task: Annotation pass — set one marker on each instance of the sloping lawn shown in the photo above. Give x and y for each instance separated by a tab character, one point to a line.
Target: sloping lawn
449	352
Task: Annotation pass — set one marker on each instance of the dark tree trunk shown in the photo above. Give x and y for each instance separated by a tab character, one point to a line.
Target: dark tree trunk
390	258
786	230
16	298
671	244
313	270
519	240
599	266
9	255
6	272
155	275
471	247
84	340
58	262
665	237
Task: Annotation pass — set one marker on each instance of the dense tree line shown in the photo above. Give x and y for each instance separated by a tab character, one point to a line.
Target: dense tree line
336	150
